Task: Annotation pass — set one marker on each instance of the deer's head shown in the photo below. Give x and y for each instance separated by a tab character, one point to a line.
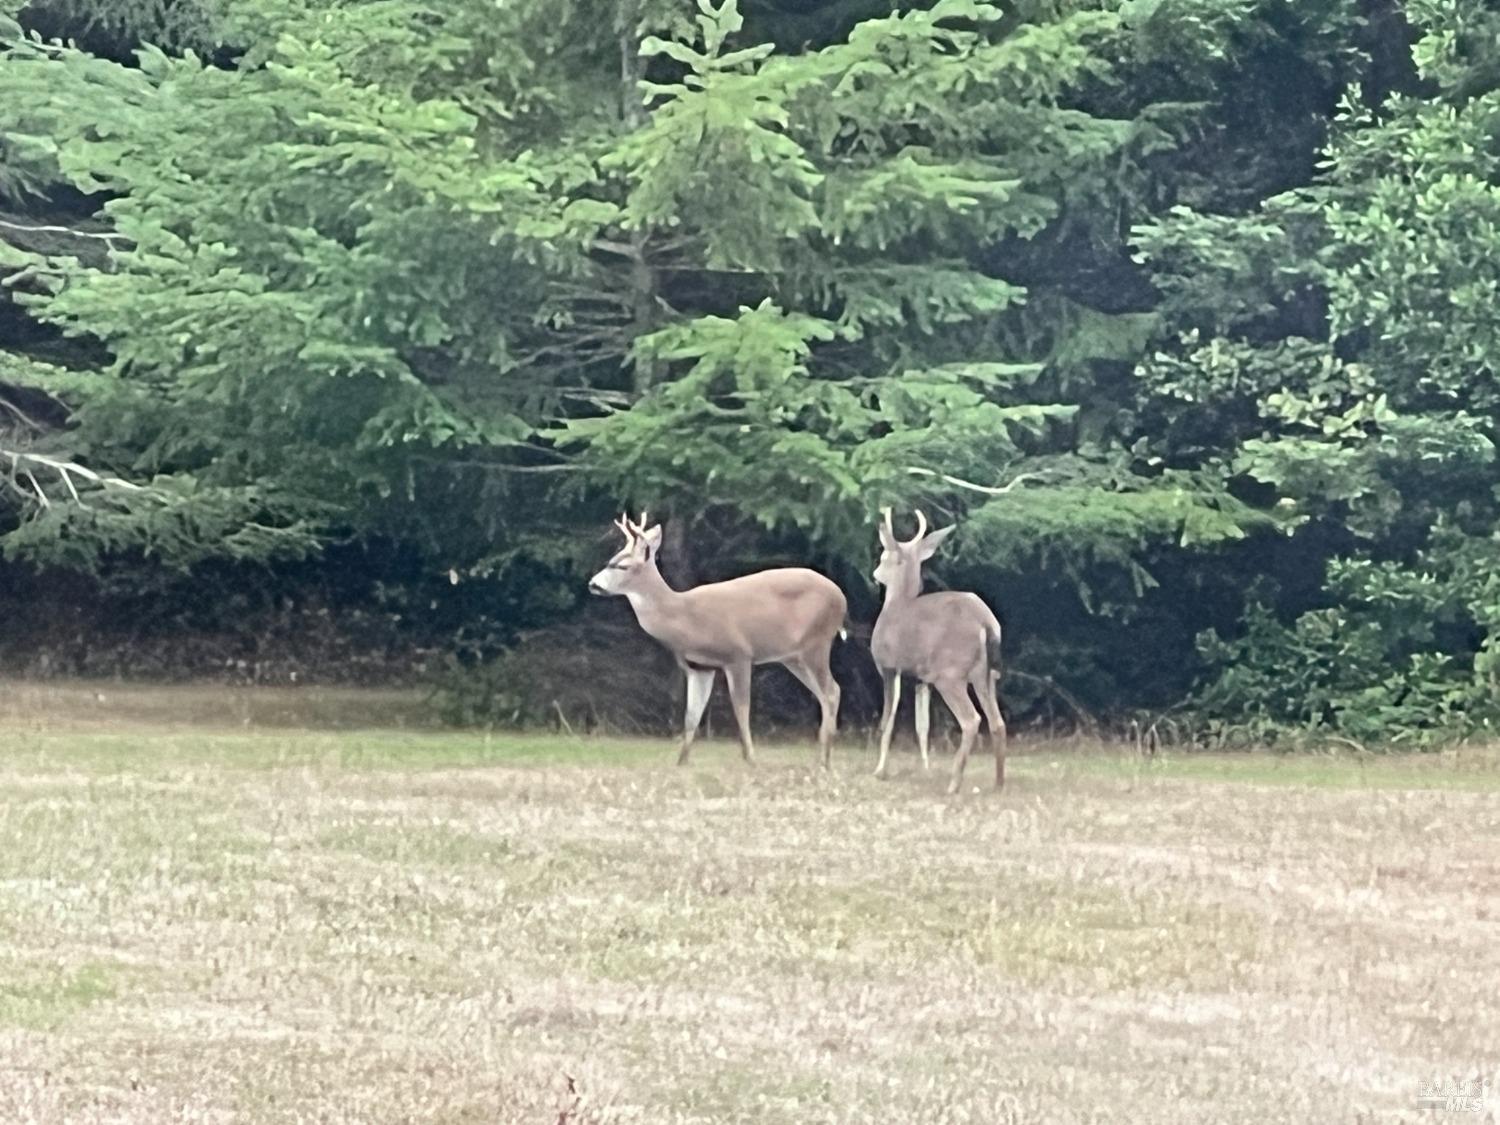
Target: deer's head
633	562
900	567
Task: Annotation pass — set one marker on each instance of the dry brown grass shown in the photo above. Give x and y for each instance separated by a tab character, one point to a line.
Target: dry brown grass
221	921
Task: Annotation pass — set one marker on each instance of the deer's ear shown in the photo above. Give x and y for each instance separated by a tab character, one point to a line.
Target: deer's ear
928	547
652	538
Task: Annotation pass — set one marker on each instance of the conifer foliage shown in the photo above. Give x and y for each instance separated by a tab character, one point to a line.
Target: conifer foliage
1184	307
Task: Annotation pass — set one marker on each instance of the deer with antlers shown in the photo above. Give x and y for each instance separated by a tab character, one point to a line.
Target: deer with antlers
786	616
946	640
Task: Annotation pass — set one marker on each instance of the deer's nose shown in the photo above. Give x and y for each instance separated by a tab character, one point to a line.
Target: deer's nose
595	588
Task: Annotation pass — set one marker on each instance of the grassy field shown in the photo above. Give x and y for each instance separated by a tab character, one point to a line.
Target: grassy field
245	907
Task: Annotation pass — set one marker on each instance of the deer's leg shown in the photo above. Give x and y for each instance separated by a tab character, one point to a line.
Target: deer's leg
700	685
828	698
955	693
738	678
832	693
888	717
923	708
816	678
984	686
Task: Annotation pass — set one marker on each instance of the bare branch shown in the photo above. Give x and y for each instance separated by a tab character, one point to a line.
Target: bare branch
1081	713
102	235
495	467
623	249
67	479
64	468
571	292
24	418
726	271
539	468
40	495
22	466
958	482
609	398
581	347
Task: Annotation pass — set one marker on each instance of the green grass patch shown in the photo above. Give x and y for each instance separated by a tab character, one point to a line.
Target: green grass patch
164	749
41	997
163	752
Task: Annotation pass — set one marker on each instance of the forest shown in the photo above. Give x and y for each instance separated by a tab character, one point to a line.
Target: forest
334	335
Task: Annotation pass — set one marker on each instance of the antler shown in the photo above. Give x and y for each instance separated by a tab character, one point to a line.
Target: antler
890	531
638	529
623	523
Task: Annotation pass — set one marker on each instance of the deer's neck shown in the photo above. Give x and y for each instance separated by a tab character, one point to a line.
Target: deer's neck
653	601
904	590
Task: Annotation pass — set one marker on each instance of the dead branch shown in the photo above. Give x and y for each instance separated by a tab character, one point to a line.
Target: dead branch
1085	719
102	235
21	416
496	467
959	482
36	488
22	465
613	246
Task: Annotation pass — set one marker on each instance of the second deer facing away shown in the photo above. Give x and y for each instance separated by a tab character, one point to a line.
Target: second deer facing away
946	640
787	616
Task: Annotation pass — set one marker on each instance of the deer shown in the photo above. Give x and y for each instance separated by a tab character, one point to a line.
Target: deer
945	640
787	616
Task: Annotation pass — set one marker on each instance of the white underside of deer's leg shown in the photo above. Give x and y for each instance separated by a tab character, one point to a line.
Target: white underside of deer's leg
956	696
888	718
923	708
700	685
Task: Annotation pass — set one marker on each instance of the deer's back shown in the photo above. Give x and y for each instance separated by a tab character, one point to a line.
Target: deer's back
767	615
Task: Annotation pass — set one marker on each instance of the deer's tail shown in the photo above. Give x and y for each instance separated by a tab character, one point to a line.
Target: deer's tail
992	651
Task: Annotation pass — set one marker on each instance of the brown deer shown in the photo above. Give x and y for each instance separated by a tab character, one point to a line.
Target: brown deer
946	640
787	616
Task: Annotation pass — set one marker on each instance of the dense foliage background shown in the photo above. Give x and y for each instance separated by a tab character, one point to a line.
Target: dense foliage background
333	332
